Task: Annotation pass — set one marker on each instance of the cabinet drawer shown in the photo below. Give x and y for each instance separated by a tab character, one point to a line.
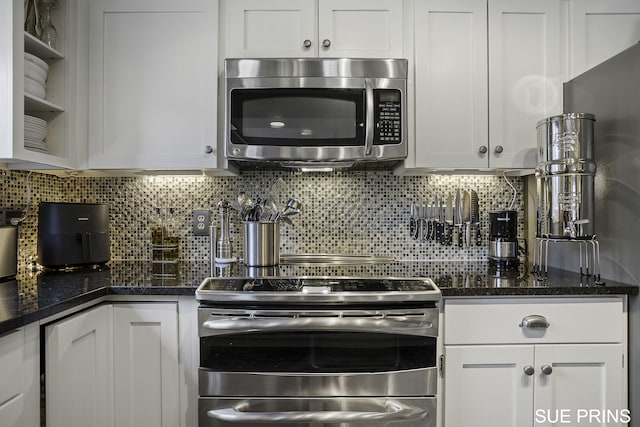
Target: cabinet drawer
570	320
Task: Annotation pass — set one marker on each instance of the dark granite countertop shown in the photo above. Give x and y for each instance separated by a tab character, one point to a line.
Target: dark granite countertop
35	295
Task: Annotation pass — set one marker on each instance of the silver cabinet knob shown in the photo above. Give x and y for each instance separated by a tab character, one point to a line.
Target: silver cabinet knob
306	43
546	369
208	149
326	43
483	149
499	149
529	370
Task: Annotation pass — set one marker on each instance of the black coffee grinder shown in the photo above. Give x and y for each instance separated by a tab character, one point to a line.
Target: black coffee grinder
503	238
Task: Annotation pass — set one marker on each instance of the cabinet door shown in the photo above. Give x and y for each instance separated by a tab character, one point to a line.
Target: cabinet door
153	92
525	79
271	28
147	391
487	386
360	28
20	378
600	30
582	377
451	83
79	373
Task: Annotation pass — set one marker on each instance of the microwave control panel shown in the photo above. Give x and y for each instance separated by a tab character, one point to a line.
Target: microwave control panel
388	115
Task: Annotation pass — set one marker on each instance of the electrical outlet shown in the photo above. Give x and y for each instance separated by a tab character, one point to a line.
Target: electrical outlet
201	221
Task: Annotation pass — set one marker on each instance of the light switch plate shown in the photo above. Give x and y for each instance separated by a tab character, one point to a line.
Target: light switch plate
201	222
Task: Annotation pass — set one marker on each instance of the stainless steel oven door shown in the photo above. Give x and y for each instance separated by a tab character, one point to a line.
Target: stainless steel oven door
318	353
317	412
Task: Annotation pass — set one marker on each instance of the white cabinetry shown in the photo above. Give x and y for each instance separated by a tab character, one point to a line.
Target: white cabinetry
58	107
504	374
600	30
309	28
145	348
20	378
79	370
485	73
153	90
120	365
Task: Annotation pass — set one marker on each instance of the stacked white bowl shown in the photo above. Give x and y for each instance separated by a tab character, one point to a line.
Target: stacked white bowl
35	76
35	132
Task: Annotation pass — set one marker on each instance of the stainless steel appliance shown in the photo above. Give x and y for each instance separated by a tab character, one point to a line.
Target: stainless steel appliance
8	251
311	351
565	177
73	234
315	111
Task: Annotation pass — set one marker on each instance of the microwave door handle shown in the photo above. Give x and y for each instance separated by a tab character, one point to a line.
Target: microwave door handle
369	132
391	411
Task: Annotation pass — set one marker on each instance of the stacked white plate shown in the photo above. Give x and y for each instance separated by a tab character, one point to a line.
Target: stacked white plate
35	132
35	75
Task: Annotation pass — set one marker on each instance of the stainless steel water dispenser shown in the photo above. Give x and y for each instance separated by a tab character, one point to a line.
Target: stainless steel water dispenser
565	177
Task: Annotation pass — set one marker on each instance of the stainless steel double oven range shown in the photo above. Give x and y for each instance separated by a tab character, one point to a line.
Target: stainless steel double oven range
317	351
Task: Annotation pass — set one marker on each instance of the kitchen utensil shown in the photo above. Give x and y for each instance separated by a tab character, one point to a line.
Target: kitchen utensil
437	220
413	225
293	207
448	218
475	216
457	216
466	213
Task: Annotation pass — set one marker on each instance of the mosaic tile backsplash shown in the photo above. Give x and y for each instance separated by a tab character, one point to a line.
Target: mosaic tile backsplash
354	212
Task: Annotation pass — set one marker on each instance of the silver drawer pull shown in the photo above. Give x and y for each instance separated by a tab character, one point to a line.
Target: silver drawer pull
529	370
534	321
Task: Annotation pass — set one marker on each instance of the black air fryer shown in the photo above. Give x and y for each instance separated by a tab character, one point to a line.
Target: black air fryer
73	234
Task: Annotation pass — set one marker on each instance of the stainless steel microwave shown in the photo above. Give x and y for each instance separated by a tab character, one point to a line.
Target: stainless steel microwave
309	112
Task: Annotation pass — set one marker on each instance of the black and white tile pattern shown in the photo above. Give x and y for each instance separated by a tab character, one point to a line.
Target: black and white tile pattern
356	212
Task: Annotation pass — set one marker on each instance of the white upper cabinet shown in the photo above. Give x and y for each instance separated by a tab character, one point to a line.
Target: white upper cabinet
311	28
600	30
485	73
525	77
153	84
52	101
273	28
450	83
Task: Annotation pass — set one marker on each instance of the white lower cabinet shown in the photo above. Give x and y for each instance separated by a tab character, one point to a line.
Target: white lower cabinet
20	378
528	376
79	370
145	349
119	365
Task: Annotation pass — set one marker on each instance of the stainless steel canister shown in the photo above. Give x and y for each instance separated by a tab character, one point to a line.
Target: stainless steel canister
566	201
567	136
261	243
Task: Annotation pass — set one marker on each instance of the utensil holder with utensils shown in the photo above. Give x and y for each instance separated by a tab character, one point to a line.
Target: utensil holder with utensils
261	243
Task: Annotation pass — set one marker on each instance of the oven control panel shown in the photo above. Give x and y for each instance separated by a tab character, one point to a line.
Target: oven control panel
388	116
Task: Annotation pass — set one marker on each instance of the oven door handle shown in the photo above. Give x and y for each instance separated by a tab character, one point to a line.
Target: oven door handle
400	325
392	411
